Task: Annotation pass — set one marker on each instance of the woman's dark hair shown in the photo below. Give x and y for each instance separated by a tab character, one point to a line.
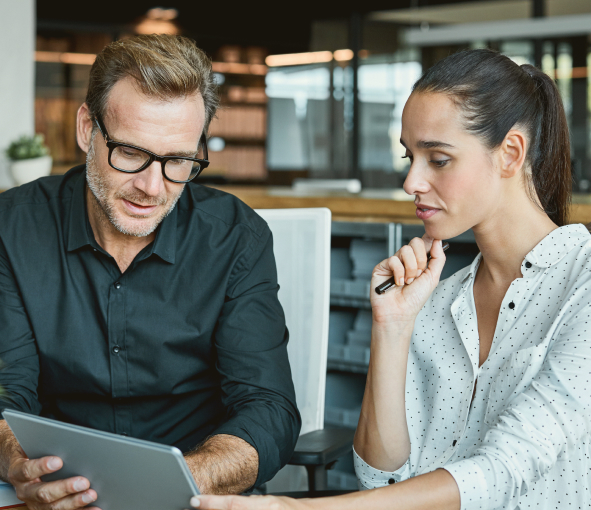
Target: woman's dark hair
494	95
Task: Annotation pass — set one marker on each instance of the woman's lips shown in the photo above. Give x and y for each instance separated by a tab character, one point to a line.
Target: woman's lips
424	213
138	209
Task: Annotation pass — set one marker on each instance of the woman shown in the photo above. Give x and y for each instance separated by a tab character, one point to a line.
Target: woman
476	394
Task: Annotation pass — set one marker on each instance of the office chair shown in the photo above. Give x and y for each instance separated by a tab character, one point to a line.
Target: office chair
301	243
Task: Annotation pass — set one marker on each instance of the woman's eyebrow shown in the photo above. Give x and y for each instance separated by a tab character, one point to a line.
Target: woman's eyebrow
430	144
433	144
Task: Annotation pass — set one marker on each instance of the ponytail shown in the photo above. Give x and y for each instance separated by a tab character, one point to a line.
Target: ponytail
495	95
549	156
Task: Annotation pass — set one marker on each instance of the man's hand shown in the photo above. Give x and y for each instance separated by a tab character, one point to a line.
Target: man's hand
68	494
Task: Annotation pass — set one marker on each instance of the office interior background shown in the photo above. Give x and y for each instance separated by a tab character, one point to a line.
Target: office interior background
313	90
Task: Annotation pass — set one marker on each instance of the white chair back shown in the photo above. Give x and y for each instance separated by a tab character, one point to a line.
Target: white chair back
301	243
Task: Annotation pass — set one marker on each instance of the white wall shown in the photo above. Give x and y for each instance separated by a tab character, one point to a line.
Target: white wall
17	76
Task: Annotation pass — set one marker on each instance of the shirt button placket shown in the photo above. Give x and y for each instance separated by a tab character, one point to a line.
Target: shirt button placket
118	359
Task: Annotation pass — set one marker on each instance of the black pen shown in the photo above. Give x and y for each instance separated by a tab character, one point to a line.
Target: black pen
381	289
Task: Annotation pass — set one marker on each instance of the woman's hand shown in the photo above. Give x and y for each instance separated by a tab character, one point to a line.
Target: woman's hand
415	281
247	503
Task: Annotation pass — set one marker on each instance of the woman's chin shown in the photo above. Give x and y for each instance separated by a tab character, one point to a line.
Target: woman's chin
444	231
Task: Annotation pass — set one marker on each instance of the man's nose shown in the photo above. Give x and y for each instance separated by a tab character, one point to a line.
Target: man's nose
150	180
416	182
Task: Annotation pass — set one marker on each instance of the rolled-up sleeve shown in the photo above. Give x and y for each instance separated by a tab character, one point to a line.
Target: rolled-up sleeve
372	478
19	359
251	344
546	421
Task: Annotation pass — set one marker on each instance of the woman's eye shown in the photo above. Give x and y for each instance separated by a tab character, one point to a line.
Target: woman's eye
439	163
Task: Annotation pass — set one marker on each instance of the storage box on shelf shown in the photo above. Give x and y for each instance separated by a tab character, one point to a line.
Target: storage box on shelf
356	249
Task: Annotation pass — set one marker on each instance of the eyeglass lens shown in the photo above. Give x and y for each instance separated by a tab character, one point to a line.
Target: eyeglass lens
130	160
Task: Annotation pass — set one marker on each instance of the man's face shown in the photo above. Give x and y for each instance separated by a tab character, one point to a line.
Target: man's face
135	204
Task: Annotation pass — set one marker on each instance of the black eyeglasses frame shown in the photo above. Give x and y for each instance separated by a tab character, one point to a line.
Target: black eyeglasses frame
112	144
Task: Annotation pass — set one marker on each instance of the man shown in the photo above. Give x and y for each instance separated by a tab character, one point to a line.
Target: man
135	302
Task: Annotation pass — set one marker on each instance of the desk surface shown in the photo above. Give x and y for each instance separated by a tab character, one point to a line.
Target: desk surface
381	206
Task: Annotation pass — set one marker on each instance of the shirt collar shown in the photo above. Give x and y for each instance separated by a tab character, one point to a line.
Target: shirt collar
549	250
557	244
77	231
80	232
471	273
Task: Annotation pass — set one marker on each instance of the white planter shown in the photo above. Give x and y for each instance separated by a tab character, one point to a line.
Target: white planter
27	170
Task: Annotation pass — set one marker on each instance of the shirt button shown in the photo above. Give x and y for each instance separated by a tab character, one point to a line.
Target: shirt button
528	264
117	285
511	305
391	481
455	442
116	349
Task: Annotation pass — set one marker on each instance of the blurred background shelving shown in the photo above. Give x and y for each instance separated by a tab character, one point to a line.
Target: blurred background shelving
321	96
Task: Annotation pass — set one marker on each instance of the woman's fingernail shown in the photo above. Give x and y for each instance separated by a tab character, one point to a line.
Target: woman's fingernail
195	502
410	280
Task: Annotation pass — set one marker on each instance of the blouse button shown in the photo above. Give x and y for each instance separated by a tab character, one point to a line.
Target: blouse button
511	305
391	481
528	264
455	442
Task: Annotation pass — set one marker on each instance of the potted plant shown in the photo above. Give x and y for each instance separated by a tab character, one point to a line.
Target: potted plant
29	159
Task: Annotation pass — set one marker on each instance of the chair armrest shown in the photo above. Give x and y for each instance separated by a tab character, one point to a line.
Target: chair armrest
321	447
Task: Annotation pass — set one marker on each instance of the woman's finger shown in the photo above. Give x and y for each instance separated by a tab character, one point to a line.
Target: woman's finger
420	251
407	255
437	259
428	240
397	269
234	502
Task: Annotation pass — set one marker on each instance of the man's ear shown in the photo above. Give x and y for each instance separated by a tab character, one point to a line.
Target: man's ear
512	152
84	127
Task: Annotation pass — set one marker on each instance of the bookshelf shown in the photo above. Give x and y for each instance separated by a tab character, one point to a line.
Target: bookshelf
240	127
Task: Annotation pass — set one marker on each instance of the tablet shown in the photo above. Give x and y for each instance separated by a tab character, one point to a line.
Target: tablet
126	473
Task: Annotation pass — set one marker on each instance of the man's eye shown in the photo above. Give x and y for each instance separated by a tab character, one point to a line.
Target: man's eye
178	162
130	153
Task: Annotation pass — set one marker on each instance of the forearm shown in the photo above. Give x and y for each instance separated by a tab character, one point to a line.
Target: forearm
224	464
9	448
435	490
382	438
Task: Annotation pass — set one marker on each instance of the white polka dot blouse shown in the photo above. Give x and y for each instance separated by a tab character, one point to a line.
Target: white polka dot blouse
523	441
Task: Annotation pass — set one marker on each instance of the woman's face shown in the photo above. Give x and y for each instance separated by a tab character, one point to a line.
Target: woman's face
452	174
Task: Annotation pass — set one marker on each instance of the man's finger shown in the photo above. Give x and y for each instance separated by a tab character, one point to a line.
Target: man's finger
28	470
73	502
53	491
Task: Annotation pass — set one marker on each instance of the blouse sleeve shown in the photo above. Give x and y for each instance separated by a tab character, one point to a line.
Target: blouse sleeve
372	478
544	422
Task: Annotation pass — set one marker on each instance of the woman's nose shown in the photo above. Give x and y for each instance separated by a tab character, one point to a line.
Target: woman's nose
415	182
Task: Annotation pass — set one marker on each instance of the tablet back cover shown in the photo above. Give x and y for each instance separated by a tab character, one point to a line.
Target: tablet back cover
126	473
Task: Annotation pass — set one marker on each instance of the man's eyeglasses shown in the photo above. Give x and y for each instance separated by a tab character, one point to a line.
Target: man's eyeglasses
131	159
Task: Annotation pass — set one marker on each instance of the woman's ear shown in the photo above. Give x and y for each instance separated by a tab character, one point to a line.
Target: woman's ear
513	152
83	127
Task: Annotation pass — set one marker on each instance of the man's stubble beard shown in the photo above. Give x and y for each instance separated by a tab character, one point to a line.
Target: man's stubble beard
104	207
